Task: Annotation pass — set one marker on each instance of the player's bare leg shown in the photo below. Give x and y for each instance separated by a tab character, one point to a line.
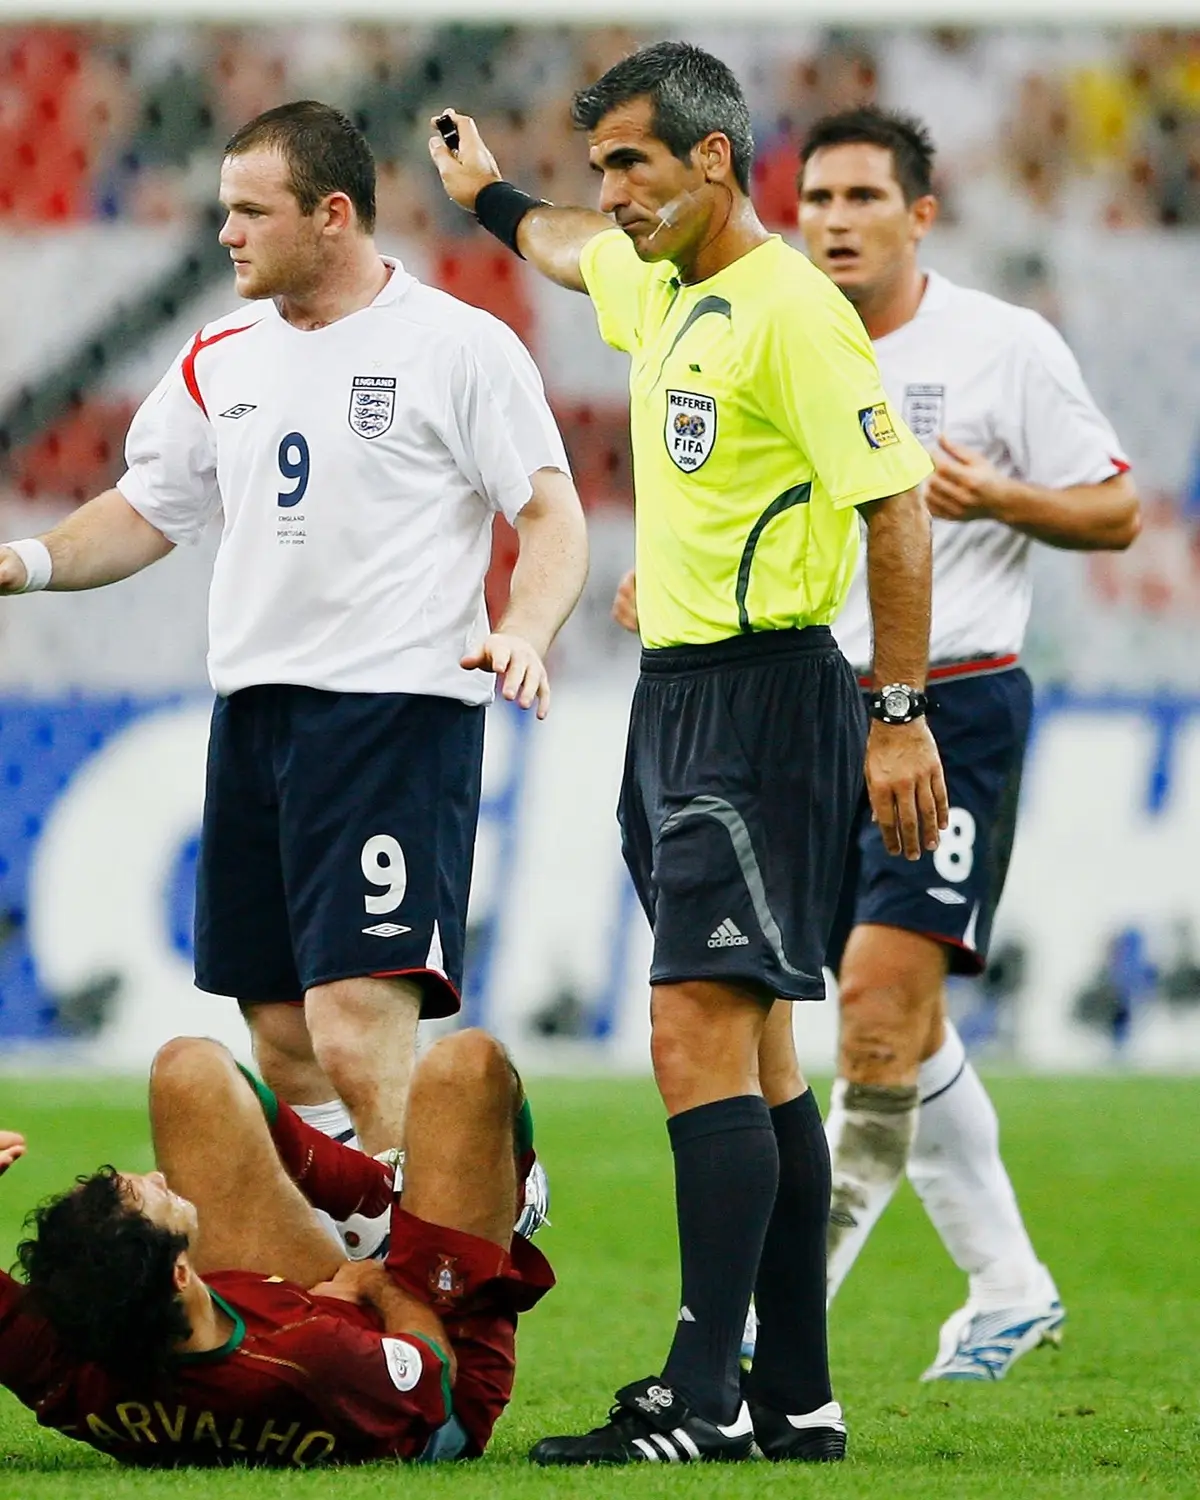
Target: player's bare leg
908	1098
283	1052
704	1042
364	1039
212	1143
460	1170
891	1003
779	1073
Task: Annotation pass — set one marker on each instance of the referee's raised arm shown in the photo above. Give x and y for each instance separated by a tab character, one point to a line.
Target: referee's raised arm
550	238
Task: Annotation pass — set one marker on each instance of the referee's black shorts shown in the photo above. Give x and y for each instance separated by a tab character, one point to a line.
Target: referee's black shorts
743	770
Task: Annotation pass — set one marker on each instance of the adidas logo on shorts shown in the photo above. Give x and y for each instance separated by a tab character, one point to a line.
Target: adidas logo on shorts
728	936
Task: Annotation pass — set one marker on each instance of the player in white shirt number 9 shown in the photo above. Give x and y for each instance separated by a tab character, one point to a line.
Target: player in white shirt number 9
1022	454
356	433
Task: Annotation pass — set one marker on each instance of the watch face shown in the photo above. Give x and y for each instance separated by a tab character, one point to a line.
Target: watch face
897	703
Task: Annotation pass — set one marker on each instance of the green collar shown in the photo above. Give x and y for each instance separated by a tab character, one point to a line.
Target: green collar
205	1356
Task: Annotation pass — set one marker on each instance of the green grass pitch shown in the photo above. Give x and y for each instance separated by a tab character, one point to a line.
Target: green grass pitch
1108	1171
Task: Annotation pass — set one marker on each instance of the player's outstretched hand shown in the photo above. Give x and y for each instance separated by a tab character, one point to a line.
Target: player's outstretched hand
624	607
13	572
12	1147
906	787
964	485
523	678
469	169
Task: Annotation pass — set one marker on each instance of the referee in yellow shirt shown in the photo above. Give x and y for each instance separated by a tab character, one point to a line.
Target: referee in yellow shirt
761	434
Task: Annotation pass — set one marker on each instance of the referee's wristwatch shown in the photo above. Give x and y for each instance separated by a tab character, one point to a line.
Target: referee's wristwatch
897	704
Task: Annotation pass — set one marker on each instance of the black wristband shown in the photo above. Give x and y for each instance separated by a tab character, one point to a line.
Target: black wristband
500	207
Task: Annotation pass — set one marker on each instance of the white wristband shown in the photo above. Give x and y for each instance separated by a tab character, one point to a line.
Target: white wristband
38	567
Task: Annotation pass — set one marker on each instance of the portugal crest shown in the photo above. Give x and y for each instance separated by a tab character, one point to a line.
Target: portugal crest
691	430
445	1282
372	404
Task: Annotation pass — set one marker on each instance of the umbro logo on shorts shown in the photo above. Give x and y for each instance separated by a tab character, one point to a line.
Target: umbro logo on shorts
386	929
946	896
727	935
240	410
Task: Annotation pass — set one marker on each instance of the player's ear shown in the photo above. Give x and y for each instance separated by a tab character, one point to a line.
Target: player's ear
338	212
924	212
714	156
181	1273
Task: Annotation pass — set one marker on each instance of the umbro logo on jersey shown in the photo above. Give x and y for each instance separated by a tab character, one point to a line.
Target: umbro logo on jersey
240	410
372	404
691	429
386	929
727	935
946	896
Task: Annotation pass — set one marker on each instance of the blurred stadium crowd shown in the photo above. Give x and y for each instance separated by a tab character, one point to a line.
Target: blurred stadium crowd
121	123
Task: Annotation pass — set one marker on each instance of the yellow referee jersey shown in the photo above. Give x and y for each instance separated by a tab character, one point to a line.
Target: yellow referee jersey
758	423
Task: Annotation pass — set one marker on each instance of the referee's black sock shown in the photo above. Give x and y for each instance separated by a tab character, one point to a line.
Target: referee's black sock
791	1359
726	1173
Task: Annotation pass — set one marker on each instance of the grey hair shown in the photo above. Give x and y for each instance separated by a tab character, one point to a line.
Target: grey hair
692	94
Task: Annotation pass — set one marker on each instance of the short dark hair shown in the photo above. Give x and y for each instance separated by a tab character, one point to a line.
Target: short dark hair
102	1274
902	134
691	93
325	152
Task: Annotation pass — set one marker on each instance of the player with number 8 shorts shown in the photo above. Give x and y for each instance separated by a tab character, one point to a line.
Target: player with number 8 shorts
356	434
1021	454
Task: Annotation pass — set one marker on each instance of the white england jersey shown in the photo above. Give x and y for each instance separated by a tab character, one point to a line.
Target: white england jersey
357	469
1000	380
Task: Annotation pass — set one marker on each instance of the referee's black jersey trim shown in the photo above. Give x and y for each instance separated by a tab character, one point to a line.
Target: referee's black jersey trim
705	305
711	304
799	494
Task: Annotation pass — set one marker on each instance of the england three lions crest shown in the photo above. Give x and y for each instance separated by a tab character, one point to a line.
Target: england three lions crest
925	410
372	404
691	429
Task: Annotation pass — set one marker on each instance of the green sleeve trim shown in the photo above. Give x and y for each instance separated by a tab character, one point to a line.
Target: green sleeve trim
447	1394
523	1130
265	1096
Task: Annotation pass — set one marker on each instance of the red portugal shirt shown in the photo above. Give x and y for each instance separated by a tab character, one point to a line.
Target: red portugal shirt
302	1380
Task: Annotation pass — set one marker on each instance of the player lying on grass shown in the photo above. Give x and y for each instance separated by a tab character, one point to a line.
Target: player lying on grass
130	1332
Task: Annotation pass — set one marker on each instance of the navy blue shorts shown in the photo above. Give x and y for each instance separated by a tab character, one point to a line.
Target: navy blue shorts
742	774
981	725
338	835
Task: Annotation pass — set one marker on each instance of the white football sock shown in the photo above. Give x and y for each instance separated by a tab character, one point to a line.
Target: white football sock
870	1129
956	1170
331	1119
